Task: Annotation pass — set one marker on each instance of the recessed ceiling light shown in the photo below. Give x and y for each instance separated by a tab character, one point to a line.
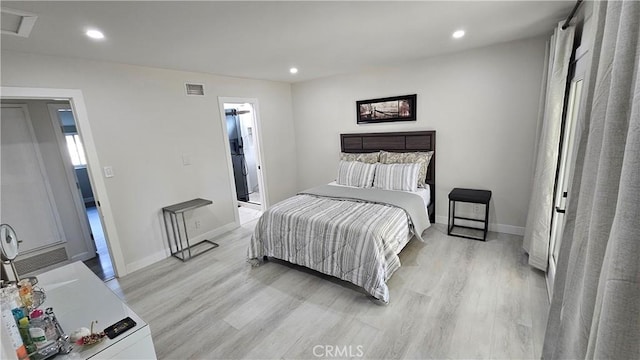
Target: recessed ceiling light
458	34
95	34
293	70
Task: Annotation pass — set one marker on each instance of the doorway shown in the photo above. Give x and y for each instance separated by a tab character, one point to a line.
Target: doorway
76	99
75	161
241	125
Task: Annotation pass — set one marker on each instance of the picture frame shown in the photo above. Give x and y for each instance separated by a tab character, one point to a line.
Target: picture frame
389	109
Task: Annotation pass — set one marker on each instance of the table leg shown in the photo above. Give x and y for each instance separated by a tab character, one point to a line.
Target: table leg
186	235
449	219
177	237
486	220
166	228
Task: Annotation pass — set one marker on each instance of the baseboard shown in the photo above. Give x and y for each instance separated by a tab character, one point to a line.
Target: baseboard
163	254
501	228
147	260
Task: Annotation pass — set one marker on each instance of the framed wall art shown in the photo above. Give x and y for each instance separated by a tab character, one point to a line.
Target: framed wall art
397	108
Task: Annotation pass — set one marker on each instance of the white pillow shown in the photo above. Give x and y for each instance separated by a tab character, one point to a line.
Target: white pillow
355	173
397	176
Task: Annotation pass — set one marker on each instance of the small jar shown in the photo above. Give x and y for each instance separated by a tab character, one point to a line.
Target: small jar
38	329
26	293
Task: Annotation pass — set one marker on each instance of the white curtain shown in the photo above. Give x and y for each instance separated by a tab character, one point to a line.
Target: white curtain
536	236
595	310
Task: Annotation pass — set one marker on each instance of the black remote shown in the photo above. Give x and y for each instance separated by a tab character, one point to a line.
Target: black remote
119	327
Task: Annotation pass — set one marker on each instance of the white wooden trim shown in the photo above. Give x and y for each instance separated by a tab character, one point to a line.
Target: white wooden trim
147	260
71	177
501	228
262	177
163	254
76	99
227	151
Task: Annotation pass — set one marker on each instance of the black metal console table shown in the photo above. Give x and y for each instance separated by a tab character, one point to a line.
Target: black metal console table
183	252
469	196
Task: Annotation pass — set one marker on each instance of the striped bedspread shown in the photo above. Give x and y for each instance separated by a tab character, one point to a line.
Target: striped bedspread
355	241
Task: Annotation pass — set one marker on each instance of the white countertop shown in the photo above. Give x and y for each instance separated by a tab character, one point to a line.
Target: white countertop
78	297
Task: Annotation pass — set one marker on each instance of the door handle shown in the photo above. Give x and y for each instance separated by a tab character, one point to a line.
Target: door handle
561	211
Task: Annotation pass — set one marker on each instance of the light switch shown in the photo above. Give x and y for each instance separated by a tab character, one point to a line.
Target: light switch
108	171
186	159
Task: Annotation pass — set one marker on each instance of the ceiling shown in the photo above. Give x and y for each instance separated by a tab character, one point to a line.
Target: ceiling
263	39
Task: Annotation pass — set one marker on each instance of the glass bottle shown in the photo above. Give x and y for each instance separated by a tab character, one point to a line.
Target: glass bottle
26	293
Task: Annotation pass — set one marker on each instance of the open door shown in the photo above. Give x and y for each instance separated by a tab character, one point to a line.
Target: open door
242	172
565	168
242	126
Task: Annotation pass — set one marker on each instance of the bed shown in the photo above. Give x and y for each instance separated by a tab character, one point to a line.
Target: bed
352	233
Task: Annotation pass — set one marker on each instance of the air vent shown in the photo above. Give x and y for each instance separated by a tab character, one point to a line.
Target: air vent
40	261
195	89
16	22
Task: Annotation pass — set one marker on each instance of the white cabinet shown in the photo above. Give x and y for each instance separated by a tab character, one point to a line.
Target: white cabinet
78	297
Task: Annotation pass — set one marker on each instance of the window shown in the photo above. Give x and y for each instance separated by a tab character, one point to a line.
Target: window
76	151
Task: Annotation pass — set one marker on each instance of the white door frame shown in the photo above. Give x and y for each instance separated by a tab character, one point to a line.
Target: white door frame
71	177
262	177
76	100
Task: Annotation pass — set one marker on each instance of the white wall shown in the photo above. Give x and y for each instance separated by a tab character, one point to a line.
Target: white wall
483	103
142	124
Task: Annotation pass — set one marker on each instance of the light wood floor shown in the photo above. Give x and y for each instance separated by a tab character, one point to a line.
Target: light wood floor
452	298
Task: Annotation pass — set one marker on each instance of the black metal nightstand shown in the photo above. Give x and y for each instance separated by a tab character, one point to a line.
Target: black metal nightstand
468	196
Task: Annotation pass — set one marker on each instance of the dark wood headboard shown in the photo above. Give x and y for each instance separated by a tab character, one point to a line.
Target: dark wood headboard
397	142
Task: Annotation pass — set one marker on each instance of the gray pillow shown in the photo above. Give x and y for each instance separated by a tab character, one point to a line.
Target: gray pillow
369	158
422	158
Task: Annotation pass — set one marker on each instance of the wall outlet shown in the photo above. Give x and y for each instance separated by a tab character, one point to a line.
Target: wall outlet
197	224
